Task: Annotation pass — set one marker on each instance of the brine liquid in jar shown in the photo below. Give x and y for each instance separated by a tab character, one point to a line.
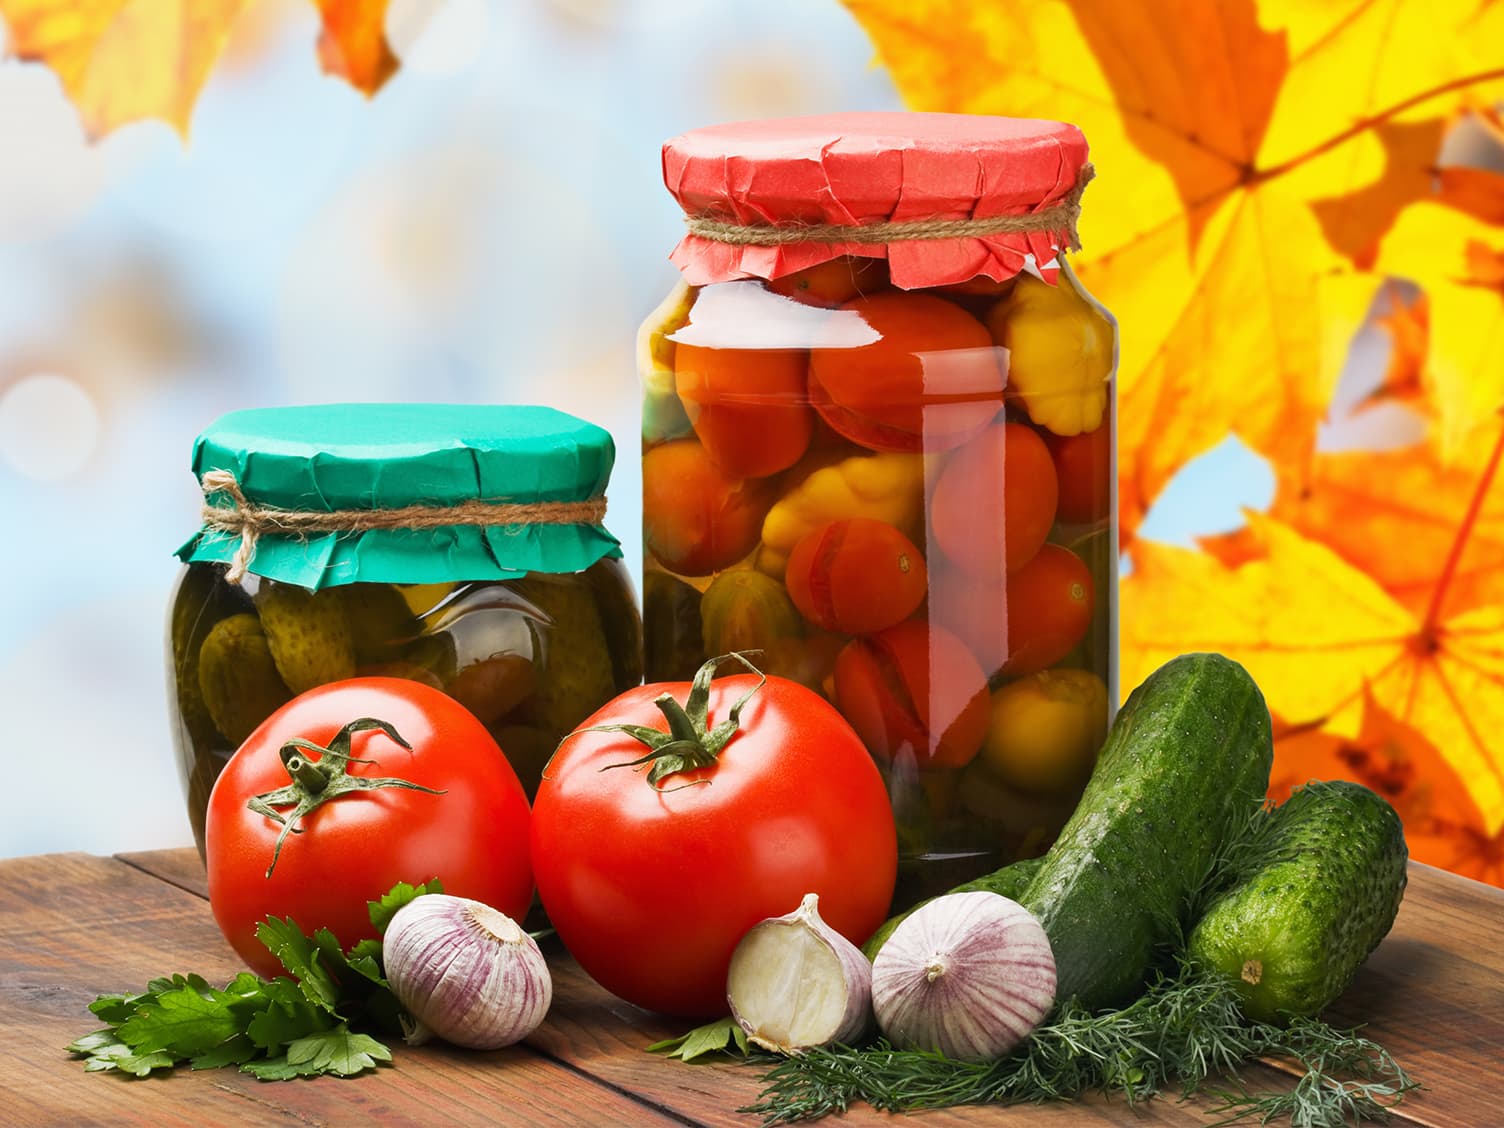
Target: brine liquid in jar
886	461
505	592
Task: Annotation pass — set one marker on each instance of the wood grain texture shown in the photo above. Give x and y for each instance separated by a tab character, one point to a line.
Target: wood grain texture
595	1033
1433	995
72	926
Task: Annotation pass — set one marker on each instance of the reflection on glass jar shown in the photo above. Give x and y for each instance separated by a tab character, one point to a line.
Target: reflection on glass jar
892	469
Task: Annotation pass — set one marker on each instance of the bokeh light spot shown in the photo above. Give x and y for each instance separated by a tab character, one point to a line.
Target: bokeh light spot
49	427
438	38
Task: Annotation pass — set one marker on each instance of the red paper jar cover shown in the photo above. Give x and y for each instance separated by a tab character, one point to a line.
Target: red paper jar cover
859	169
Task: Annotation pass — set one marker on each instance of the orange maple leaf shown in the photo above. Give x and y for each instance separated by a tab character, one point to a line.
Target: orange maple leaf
1245	153
1317	634
1443	826
353	42
1458	261
128	60
1407	322
1422	527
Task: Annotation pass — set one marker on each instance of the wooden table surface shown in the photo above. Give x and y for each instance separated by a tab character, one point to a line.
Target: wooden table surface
73	926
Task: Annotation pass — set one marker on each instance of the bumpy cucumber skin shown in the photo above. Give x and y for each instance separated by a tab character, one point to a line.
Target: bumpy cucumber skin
1010	881
1187	759
1324	886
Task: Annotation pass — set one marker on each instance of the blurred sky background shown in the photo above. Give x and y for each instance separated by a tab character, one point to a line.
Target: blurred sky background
490	228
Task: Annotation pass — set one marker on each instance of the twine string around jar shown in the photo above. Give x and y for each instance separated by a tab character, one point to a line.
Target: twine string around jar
1061	216
249	520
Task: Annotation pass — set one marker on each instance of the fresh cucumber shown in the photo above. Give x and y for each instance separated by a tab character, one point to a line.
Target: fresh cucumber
1186	763
1010	881
1315	890
1187	760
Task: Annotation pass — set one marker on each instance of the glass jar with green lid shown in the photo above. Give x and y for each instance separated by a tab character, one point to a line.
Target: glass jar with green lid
456	545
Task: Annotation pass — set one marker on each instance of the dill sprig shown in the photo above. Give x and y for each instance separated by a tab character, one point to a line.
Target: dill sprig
1180	1032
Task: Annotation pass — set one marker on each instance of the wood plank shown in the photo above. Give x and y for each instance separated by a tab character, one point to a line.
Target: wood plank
74	926
1433	994
603	1036
593	1032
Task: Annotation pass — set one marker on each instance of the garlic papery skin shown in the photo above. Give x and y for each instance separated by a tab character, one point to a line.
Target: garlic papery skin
795	982
968	974
466	972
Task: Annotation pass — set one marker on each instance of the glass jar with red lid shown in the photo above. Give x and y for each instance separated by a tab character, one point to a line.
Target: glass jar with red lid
878	447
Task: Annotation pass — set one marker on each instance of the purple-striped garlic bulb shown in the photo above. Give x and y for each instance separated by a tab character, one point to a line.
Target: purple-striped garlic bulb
968	974
465	972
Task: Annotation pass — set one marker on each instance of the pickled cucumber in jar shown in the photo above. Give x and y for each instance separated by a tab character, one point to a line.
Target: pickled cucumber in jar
515	603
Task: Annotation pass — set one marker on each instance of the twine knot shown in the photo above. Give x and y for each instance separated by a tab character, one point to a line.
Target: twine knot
1060	216
248	520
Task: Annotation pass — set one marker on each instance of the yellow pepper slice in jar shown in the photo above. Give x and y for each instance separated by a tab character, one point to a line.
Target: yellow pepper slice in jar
886	487
1061	352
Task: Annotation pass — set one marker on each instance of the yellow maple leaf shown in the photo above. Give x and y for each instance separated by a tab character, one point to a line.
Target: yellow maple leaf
1399	517
1229	140
128	60
1443	826
1458	260
1318	634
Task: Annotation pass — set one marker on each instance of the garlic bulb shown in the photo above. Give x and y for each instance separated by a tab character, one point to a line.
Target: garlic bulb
465	972
968	974
795	982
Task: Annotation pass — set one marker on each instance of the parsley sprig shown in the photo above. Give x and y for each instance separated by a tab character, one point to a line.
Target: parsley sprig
311	1021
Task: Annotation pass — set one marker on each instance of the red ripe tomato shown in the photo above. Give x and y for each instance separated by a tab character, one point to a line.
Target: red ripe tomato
831	283
976	611
914	690
695	518
651	882
994	501
1023	624
353	848
929	380
1083	467
856	576
748	406
1050	602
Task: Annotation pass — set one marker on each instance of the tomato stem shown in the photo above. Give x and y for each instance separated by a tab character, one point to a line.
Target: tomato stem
322	779
680	727
689	743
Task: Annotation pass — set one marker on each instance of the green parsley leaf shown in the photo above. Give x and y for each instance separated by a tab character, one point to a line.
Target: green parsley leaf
336	1051
275	1029
184	1022
722	1036
115	1009
233	1052
383	910
122	1057
287	1017
272	1069
299	955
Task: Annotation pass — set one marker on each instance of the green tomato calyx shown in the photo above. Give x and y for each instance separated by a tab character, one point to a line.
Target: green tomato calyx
323	778
690	742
